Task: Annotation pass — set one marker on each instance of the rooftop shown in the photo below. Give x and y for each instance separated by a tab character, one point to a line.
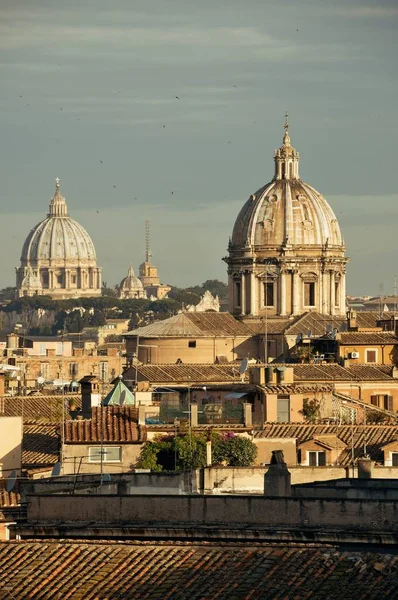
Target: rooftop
118	425
185	373
189	571
206	324
373	436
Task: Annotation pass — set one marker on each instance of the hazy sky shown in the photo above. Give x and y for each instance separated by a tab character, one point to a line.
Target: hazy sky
86	81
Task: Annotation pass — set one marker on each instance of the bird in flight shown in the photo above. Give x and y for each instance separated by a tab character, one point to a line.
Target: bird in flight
101	162
177	97
97	212
114	186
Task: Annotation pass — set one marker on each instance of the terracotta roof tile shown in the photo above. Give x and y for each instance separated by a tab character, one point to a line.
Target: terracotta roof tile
373	436
119	424
185	373
335	372
40	407
207	324
9	499
51	569
358	337
40	445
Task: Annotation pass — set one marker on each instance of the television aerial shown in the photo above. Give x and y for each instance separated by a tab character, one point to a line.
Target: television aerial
11	479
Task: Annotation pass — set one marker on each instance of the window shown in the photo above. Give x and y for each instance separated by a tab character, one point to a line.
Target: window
238	292
60	349
309	293
192	344
382	401
103	371
283	410
45	370
73	278
337	294
371	356
317	459
394	459
111	454
73	369
269	293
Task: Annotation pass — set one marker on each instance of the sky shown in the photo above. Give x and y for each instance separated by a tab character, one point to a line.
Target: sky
184	103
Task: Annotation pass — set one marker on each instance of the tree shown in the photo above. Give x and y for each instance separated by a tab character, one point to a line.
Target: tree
188	451
311	410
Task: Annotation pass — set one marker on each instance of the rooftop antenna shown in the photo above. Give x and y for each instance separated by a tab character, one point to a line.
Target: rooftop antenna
148	254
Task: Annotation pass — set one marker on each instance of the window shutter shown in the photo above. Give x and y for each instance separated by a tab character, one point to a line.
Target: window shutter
390	404
322	459
312	459
374	400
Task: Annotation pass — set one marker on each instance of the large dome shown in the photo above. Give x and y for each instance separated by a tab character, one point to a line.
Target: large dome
286	253
59	254
60	238
289	212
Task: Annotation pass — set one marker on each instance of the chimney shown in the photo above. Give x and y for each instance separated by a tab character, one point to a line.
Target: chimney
90	395
277	478
352	320
12	341
365	468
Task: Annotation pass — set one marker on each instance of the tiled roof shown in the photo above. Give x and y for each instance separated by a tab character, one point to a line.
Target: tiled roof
373	436
296	389
55	569
272	325
37	407
335	372
40	445
314	322
119	425
184	373
8	499
207	324
357	338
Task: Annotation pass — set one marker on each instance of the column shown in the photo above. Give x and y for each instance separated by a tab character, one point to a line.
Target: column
282	292
253	295
51	279
295	292
332	299
243	294
342	294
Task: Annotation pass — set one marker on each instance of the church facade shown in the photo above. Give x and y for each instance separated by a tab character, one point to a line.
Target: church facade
286	255
58	257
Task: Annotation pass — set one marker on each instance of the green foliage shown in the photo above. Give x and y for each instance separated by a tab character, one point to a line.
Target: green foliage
7	294
311	410
234	451
302	353
188	451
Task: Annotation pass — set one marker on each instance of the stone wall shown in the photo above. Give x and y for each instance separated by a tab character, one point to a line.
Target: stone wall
225	511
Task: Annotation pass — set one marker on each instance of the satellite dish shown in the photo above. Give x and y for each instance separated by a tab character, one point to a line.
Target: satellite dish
243	366
299	338
40	380
309	333
11	479
329	329
56	470
106	478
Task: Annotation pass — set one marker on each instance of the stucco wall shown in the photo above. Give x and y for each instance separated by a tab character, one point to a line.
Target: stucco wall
76	459
10	444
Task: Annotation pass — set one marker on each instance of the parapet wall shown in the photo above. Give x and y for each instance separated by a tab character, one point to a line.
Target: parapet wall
220	511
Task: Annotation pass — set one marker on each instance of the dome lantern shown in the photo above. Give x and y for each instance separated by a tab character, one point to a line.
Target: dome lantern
57	206
286	157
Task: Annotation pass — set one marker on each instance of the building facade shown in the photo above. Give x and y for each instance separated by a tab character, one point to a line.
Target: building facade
286	255
58	257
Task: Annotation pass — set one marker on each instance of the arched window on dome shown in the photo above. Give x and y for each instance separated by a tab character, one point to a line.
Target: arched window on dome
309	293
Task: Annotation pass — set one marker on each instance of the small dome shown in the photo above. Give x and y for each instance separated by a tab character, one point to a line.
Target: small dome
131	286
58	236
